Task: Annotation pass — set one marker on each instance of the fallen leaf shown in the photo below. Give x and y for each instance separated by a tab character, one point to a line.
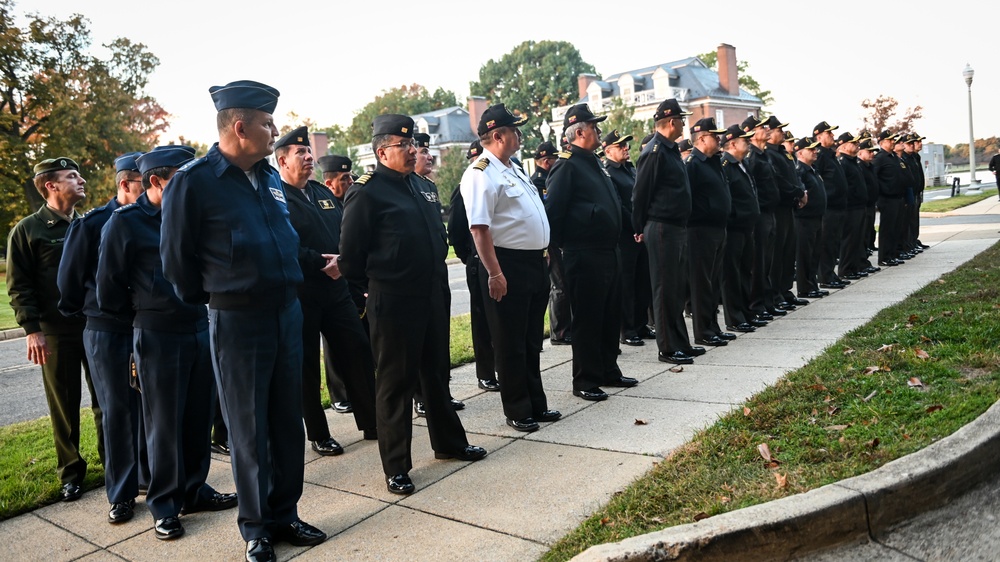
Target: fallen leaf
832	410
914	318
848	351
828	398
656	520
872	369
816	387
873	443
934	408
677	369
947	313
961	310
765	451
921	353
886	369
906	436
781	479
841	440
772	464
886	347
701	516
724	499
815	412
640	422
606	522
870	396
914	382
940	281
925	339
835	427
746	411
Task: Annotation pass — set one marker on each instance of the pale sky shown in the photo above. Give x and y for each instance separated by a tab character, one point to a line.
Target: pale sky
329	59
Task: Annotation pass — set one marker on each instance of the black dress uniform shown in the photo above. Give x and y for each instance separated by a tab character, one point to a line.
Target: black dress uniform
917	171
171	355
852	252
711	204
584	212
808	226
738	258
834	218
34	248
892	188
790	191
560	311
108	344
328	311
393	236
763	297
871	204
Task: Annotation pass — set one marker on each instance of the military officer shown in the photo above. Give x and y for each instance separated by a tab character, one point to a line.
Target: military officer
738	254
834	217
685	147
866	157
226	241
560	312
327	308
108	344
809	221
34	248
911	152
171	351
852	252
392	235
791	195
761	300
585	214
892	188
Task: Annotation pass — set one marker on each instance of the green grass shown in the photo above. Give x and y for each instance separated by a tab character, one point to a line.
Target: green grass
952	203
6	312
849	411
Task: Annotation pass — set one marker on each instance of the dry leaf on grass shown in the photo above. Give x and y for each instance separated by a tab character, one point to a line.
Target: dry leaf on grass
872	369
848	351
921	353
746	411
640	421
947	313
724	499
832	410
934	408
765	452
701	516
606	522
828	398
835	427
886	347
913	318
816	387
870	396
914	382
781	480
925	339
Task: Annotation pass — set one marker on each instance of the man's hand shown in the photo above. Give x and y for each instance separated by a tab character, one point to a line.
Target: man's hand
805	200
638	237
332	267
498	286
38	349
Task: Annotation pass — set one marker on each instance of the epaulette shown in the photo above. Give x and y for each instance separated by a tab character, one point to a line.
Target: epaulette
91	212
481	164
656	146
124	208
725	162
192	164
425	178
565	155
789	156
364	179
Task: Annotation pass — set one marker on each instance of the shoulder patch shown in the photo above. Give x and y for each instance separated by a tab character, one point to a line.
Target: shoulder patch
91	212
124	208
481	164
656	146
364	179
192	164
565	155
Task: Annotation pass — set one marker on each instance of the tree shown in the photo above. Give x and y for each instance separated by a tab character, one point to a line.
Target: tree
449	173
58	100
747	82
532	79
620	118
405	100
880	115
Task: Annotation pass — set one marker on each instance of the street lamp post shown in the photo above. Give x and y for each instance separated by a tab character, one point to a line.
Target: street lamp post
967	74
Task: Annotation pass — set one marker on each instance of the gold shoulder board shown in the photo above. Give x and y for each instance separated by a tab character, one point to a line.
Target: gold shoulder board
481	164
364	179
565	155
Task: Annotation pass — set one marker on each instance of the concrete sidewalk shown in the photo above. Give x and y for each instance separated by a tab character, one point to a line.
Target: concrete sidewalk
532	488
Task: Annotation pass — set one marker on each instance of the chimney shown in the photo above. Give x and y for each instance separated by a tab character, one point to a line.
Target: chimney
728	79
319	144
583	81
477	106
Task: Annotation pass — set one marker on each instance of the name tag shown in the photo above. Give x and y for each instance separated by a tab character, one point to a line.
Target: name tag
325	204
278	194
430	196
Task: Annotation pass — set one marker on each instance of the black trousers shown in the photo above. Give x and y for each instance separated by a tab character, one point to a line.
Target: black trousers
593	281
257	359
61	379
560	313
108	356
852	250
482	343
175	373
830	242
890	211
706	246
809	231
349	356
762	294
517	325
410	342
914	219
785	242
668	272
737	263
636	292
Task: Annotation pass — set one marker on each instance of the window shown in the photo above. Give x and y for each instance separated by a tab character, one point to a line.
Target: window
720	119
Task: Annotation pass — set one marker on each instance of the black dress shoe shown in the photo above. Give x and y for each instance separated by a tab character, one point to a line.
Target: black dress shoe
220	448
726	336
469	453
260	550
622	382
695	351
594	394
298	533
344	407
888	263
833	285
328	447
71	492
778	312
677	358
419	409
799	302
813	295
647	333
853	276
922	245
564	341
400	484
214	502
784	306
168	528
526	425
633	341
547	416
712	340
757	322
489	385
744	327
121	512
873	269
457	404
765	316
823	293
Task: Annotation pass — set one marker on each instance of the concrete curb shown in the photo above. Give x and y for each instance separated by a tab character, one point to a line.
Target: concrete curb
11	334
846	511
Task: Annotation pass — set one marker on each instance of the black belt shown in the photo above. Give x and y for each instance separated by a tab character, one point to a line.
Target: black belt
253	301
99	324
519	253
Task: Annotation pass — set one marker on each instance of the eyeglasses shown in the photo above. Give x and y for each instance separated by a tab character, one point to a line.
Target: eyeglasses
405	145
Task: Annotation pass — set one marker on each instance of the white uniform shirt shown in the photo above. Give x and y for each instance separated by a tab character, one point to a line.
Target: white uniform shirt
504	199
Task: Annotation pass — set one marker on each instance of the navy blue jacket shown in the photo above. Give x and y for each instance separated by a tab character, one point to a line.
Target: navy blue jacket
662	191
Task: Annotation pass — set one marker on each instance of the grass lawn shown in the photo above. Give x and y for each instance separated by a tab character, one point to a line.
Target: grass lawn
6	312
952	203
917	372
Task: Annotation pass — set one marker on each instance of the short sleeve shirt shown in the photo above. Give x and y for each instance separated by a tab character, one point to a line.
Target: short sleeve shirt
504	199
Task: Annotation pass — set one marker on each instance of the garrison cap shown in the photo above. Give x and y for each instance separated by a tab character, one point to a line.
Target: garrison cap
56	164
580	113
645	140
497	116
393	124
823	127
685	145
334	163
735	132
886	135
475	149
298	136
614	138
546	149
245	94
751	123
167	156
847	137
773	122
706	125
126	162
421	140
805	143
668	108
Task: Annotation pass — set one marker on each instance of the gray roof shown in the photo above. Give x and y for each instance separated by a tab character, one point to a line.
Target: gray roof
688	73
451	124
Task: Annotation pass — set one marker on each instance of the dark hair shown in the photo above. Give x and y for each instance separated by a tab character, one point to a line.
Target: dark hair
227	117
163	172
